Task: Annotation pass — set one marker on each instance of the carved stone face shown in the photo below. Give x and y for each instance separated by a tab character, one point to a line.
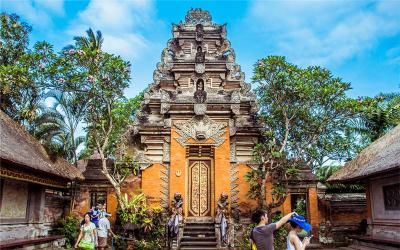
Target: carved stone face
199	49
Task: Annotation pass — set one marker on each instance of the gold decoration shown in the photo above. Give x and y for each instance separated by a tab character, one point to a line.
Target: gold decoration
199	196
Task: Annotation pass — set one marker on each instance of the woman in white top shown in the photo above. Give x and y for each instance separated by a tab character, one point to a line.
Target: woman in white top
297	224
87	238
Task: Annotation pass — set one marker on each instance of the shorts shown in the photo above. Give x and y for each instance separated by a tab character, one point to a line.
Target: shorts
102	241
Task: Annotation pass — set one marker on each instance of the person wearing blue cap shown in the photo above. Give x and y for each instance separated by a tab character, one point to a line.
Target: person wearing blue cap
298	223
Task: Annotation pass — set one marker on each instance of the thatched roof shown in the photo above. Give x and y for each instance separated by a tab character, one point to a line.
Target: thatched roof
382	156
19	147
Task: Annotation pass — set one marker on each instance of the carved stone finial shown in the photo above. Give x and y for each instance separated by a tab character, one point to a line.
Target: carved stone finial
196	16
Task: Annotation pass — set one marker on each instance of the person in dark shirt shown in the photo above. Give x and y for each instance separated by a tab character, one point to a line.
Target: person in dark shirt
263	234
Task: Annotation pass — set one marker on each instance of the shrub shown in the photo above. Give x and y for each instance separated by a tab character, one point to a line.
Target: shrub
69	227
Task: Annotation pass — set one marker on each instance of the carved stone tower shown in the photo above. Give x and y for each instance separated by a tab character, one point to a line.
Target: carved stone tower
196	127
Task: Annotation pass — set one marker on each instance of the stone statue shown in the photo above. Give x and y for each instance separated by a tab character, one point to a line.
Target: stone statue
222	217
176	217
200	95
199	33
200	55
177	203
223	203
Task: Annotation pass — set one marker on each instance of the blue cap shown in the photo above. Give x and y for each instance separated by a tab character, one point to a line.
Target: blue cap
301	222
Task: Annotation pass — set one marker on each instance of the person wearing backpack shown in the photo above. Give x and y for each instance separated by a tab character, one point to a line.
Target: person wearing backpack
262	236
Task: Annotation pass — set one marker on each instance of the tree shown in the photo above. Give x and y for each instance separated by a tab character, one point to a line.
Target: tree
379	114
324	172
101	78
14	38
71	108
91	42
23	72
305	115
124	115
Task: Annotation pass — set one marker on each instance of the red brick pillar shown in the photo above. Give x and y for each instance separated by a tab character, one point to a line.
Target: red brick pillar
313	209
287	205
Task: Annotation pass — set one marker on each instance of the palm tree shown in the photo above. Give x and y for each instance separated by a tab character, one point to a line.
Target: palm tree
71	109
92	41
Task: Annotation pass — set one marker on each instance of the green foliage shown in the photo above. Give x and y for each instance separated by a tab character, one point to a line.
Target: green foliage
23	72
149	221
69	227
254	178
305	115
280	235
324	172
379	114
14	38
301	207
245	242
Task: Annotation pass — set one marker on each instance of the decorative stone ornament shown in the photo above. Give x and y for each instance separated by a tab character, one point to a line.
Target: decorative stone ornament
200	68
196	16
200	108
200	129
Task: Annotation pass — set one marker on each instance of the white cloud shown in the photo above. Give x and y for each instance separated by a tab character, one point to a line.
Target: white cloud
35	12
325	32
120	22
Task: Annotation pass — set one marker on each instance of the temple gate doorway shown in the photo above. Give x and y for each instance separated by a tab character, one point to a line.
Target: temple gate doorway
199	187
200	180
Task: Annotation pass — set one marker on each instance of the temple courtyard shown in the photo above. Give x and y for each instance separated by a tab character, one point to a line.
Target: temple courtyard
218	135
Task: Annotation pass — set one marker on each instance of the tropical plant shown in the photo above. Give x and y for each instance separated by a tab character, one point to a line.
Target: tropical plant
92	42
305	114
280	234
69	227
379	114
324	172
71	107
148	222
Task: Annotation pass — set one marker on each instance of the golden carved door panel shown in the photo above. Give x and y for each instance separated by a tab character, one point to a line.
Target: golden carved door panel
199	188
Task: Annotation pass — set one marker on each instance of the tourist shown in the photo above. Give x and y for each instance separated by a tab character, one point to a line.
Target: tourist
297	224
87	238
103	230
95	215
262	236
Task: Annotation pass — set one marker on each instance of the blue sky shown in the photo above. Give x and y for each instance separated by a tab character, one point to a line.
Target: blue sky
358	41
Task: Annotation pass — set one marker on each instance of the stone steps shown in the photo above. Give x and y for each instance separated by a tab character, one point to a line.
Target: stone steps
199	234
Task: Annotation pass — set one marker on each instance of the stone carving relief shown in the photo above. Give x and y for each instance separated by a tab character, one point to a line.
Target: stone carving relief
165	101
199	33
200	95
235	102
166	150
164	185
200	129
233	151
200	108
142	160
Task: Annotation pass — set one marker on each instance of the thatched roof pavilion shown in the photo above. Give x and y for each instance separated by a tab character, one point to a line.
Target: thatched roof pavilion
382	156
21	153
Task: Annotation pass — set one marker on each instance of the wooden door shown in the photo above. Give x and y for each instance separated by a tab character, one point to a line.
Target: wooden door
199	188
